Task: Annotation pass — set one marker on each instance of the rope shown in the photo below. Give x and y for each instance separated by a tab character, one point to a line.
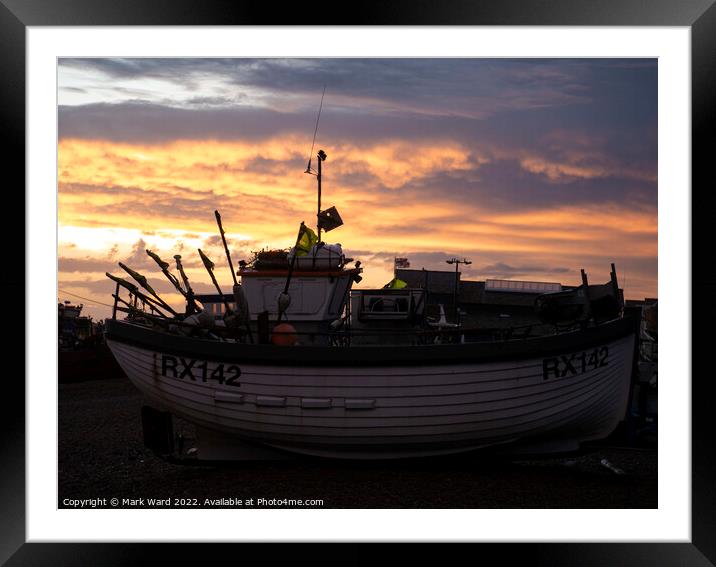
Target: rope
85	298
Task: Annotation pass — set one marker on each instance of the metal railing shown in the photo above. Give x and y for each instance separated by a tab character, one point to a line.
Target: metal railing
136	310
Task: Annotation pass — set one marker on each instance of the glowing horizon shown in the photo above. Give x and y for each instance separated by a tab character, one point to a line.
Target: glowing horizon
532	169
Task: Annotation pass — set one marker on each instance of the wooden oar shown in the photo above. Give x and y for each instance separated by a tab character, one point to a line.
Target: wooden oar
191	305
185	279
141	280
135	309
133	289
242	307
226	248
209	265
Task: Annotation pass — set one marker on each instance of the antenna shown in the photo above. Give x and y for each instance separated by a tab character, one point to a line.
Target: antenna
315	131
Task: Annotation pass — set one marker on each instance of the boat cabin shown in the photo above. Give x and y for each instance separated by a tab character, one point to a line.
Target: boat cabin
316	295
396	305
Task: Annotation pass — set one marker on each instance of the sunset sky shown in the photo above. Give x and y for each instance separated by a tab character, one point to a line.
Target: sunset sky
530	168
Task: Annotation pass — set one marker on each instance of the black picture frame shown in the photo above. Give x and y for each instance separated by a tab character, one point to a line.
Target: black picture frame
699	15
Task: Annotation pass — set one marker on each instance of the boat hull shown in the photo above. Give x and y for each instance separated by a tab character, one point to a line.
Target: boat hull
548	394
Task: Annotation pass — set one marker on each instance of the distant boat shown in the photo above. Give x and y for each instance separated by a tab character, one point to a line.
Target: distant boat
82	353
366	374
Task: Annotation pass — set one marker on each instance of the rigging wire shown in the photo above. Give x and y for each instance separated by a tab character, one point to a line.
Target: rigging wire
85	298
315	131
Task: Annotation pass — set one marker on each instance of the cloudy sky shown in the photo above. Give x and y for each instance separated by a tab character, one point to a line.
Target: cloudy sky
531	168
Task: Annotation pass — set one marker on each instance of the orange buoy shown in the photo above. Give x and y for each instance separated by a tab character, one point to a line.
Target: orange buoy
284	334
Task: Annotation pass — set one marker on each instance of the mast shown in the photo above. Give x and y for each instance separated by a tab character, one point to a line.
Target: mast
321	157
318	177
319	226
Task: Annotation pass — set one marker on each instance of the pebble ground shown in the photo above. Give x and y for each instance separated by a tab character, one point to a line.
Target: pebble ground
101	455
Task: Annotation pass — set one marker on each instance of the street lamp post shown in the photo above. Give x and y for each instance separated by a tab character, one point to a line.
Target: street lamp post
457	263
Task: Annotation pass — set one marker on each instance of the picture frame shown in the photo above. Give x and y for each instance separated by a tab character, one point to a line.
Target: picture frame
17	15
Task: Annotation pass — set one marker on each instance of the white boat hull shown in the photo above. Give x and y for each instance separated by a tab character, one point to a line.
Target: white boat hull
394	410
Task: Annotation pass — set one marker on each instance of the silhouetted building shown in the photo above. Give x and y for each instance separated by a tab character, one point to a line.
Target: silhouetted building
489	304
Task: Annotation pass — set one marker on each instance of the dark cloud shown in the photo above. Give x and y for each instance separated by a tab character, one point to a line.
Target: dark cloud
69	265
455	88
148	122
473	86
504	185
152	123
138	257
213	241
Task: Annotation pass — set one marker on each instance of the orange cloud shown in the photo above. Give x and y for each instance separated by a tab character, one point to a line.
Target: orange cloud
113	195
235	167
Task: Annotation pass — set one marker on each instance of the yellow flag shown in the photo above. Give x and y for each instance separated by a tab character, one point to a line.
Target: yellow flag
396	283
306	242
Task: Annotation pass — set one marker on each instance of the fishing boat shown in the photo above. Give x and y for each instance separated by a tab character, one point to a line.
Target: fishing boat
82	354
300	363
